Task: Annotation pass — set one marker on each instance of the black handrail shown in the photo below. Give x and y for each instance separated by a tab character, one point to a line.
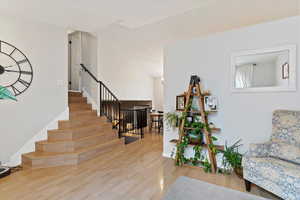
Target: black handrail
90	73
110	106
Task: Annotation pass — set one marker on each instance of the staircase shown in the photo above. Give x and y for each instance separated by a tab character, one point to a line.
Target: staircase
83	137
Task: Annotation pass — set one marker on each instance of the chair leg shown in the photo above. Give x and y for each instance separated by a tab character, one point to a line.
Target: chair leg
248	185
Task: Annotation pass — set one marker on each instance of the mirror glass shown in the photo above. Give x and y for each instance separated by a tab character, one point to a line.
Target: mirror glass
265	69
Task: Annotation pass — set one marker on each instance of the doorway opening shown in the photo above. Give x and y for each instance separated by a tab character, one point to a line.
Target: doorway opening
74	61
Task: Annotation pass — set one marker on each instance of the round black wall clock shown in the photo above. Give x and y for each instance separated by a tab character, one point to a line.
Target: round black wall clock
15	69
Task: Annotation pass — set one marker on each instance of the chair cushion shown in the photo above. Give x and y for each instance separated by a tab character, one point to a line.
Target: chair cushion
285	151
286	126
277	176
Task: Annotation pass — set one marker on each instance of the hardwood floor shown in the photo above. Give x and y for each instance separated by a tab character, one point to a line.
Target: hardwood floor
134	172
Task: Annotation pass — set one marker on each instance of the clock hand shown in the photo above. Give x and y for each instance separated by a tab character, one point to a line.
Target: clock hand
18	62
22	72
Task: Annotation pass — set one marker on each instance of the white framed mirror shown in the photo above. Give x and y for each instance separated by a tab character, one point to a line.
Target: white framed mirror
264	70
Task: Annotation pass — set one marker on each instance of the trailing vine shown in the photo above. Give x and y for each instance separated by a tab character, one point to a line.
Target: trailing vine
206	166
199	159
196	160
181	160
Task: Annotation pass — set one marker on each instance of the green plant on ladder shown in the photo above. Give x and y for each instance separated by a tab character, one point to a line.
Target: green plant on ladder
6	94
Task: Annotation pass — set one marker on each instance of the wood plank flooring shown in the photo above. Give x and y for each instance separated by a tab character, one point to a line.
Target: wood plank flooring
135	172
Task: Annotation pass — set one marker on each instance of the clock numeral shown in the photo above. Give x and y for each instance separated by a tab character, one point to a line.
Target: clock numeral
26	72
18	62
15	90
22	61
13	51
25	83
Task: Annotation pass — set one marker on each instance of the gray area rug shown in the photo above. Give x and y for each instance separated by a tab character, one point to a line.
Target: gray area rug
186	188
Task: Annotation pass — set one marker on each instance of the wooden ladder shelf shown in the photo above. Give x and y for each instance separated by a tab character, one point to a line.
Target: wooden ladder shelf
194	90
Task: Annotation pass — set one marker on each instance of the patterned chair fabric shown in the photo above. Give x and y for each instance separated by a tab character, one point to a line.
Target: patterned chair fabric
278	175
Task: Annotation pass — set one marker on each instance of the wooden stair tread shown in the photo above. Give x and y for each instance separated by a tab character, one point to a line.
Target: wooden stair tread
91	121
70	141
73	99
38	155
83	137
83	112
89	125
76	97
94	128
70	136
72	94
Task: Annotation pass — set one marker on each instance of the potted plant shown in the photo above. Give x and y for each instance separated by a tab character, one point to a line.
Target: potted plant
173	119
195	134
232	159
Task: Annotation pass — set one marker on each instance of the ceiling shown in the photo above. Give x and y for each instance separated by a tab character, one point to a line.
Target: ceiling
92	15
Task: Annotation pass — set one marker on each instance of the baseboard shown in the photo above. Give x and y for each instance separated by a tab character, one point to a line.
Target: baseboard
29	146
166	155
78	91
91	100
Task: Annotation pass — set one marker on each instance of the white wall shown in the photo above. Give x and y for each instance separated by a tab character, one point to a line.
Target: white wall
158	94
241	115
124	65
128	58
46	48
89	44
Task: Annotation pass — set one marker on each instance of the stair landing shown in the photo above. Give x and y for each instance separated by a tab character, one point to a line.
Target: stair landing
83	137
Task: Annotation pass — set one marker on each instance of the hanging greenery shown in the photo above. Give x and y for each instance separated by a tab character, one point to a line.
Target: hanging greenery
206	166
198	156
181	146
194	125
231	158
172	119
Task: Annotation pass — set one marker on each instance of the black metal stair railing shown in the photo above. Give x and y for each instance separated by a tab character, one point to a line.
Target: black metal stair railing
133	121
109	104
125	120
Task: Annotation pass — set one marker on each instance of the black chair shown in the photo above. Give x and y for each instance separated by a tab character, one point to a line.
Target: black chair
158	122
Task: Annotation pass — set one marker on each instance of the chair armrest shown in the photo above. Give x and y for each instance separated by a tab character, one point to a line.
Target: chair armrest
259	150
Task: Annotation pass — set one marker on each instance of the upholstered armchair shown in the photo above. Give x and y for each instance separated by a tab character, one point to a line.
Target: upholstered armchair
275	165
